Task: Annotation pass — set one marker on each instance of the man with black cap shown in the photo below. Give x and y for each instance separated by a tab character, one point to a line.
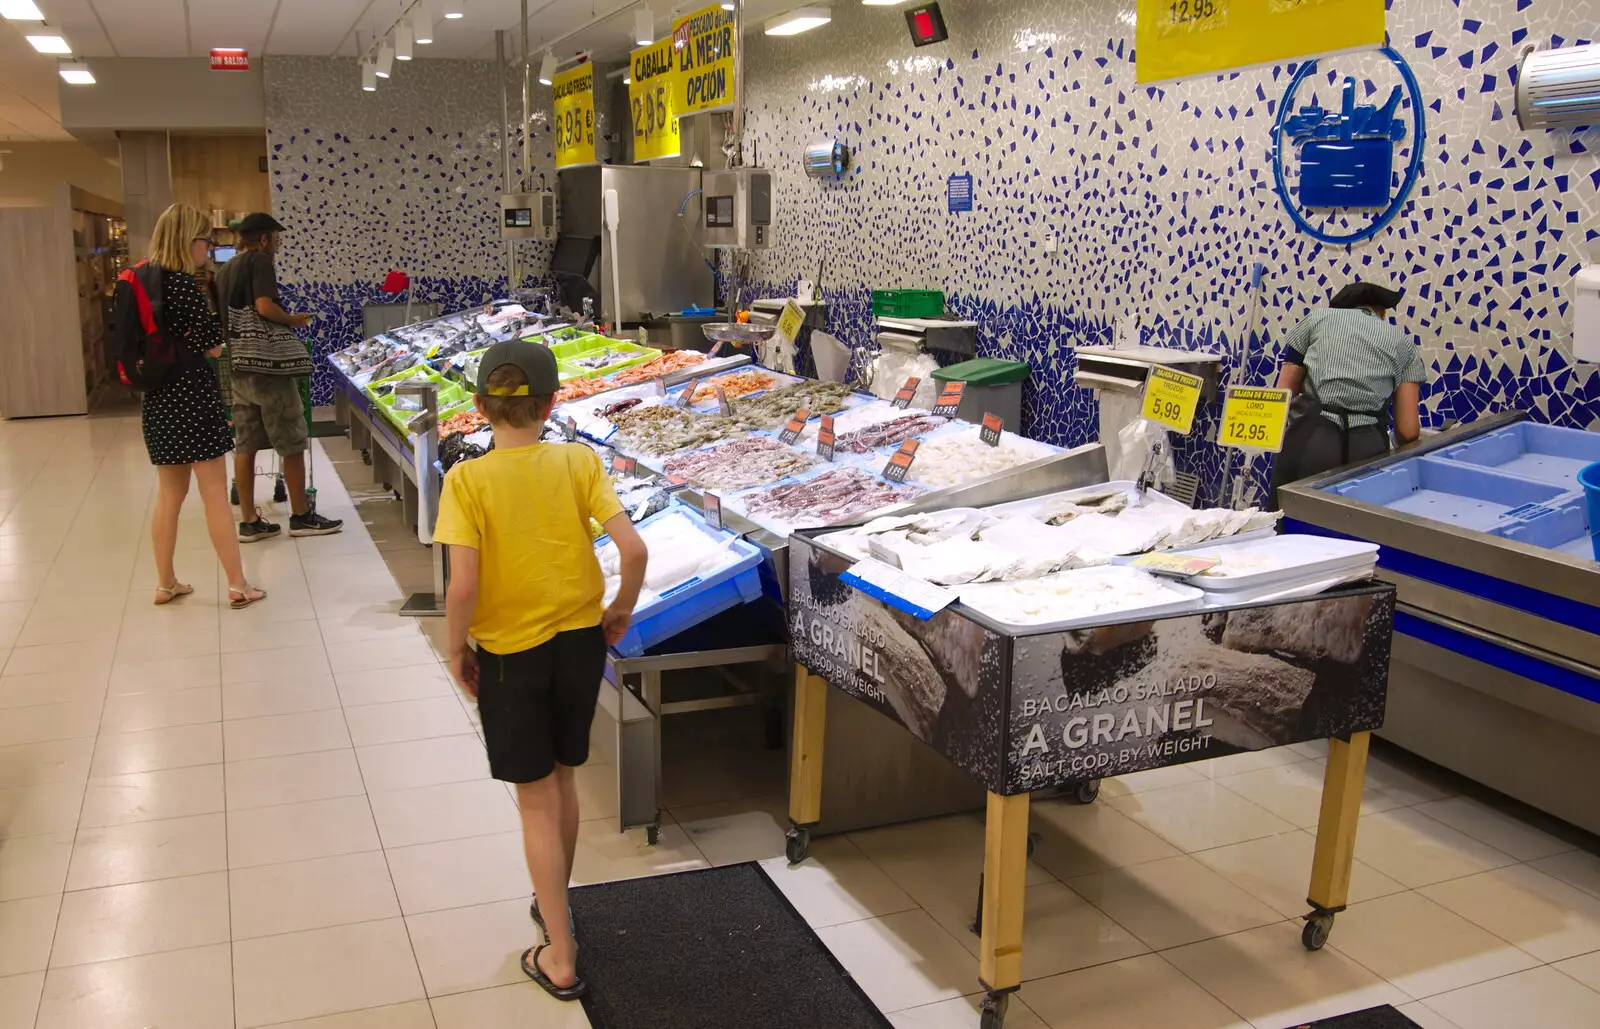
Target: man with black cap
267	361
1346	364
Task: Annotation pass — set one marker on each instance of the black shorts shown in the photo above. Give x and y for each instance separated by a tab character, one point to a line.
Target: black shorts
537	704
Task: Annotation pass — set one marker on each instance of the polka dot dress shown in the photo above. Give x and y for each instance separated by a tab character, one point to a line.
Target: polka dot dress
183	420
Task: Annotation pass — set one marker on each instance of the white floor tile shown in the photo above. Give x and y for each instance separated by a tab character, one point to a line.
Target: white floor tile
1060	932
836	883
605	855
1416	850
323	972
245	739
140	851
143	796
428	877
1277	871
136	711
1421	947
271	899
45	688
1543	915
278	697
904	960
732	831
19	999
1540	997
1498	829
430	814
151	750
521	1005
38	764
34	866
444	759
30	810
372	724
183	989
413	1014
26	929
141	918
1173	901
269	781
1138	993
365	655
166	674
386	685
962	1013
277	664
472	948
299	832
1200	815
1293	792
43	723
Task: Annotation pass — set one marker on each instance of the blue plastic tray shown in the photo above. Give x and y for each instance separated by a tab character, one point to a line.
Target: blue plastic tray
1448	491
1560	525
1543	453
694	600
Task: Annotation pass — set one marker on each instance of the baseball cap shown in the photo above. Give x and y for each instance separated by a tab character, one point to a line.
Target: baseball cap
1366	294
259	222
538	365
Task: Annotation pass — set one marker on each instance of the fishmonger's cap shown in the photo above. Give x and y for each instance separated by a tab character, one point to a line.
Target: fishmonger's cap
538	365
1366	294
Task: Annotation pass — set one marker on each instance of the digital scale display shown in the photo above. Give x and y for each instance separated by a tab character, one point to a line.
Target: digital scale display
519	217
719	212
926	25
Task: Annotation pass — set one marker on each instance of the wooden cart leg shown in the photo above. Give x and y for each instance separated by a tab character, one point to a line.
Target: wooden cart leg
1336	836
805	760
1005	870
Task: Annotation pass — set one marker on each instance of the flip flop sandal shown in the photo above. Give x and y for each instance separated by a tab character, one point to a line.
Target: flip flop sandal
538	920
239	599
173	592
530	967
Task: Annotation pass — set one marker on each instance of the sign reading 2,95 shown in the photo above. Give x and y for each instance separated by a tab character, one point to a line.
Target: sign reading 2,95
573	116
650	101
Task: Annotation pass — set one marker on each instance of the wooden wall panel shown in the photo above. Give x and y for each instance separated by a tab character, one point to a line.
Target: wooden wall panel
41	348
224	172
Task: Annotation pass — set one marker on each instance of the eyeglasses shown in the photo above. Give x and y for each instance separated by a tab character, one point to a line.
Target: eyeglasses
207	240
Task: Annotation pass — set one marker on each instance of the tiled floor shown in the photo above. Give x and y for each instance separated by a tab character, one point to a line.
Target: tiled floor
280	817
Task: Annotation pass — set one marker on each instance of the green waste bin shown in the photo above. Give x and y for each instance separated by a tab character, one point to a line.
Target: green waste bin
993	386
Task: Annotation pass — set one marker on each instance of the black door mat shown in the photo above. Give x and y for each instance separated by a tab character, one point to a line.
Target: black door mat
1383	1017
716	948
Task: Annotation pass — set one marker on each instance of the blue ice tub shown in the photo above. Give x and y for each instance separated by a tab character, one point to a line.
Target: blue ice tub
1447	491
1561	525
1543	453
694	600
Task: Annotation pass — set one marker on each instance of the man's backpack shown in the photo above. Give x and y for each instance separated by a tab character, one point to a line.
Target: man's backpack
146	358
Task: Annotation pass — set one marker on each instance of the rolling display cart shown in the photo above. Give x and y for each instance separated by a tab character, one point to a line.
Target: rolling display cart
1022	712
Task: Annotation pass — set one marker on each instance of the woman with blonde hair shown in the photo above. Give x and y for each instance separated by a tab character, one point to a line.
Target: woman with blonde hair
185	429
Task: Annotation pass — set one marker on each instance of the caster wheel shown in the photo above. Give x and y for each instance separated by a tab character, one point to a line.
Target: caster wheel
1087	791
233	494
280	492
1315	934
366	456
1033	842
796	843
992	1011
652	835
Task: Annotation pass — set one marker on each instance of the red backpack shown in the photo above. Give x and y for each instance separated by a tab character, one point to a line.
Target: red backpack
146	358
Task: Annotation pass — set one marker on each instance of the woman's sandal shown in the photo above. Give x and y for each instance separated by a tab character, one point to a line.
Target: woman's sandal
530	967
243	597
173	592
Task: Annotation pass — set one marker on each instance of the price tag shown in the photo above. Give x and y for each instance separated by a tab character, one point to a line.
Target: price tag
638	512
569	428
949	401
900	461
687	396
623	465
795	426
716	348
674	481
882	553
990	430
825	438
902	399
1174	564
724	405
661	386
790	321
711	507
1254	418
1183	17
898	589
1170	398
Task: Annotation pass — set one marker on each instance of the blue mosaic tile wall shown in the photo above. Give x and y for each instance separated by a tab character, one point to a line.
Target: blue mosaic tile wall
1162	198
404	178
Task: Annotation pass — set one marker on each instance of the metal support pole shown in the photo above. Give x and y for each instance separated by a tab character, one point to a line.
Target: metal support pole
424	431
738	87
527	105
505	144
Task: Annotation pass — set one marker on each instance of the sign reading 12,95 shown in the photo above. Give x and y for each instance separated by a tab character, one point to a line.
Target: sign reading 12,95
1177	38
651	95
703	42
1254	418
573	116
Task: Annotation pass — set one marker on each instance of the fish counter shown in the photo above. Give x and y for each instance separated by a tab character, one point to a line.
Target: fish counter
1485	533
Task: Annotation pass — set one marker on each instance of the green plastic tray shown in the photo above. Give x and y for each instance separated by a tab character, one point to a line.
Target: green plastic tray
907	303
627	356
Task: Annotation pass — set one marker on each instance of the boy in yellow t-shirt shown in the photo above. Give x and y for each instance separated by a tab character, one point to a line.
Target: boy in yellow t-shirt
525	583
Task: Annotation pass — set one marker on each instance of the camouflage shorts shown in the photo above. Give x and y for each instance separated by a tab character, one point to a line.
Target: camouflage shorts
267	413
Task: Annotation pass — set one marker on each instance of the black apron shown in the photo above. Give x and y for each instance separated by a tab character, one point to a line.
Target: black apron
1313	443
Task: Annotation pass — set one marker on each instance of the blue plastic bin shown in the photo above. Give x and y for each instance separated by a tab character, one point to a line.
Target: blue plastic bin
1589	479
1561	525
1448	491
1544	453
693	601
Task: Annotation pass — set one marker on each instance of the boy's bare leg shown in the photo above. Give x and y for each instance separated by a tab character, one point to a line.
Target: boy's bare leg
566	777
544	841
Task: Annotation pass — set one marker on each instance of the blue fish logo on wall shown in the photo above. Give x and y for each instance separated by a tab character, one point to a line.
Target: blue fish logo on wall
1346	157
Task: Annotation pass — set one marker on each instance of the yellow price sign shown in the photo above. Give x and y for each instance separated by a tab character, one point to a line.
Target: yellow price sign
573	116
703	42
651	96
1174	564
1178	38
1170	397
790	320
1254	418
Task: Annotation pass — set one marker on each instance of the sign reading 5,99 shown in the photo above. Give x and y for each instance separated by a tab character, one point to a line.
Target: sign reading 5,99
573	116
650	101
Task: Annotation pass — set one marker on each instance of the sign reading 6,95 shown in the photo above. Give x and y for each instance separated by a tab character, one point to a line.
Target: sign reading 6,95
651	89
572	116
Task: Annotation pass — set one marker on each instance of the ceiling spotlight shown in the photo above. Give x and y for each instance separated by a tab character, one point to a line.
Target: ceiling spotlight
51	44
644	25
728	6
76	73
402	41
20	10
547	68
881	3
422	24
452	10
801	19
385	60
369	77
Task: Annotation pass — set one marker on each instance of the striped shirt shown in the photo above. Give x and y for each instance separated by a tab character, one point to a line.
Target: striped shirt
1354	360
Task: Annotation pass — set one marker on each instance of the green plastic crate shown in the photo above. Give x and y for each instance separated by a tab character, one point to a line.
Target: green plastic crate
627	355
577	345
907	303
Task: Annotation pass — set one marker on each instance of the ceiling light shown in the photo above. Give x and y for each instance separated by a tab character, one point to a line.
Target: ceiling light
453	10
385	60
51	44
20	10
402	41
547	68
801	19
422	24
644	26
76	73
369	76
728	7
881	3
